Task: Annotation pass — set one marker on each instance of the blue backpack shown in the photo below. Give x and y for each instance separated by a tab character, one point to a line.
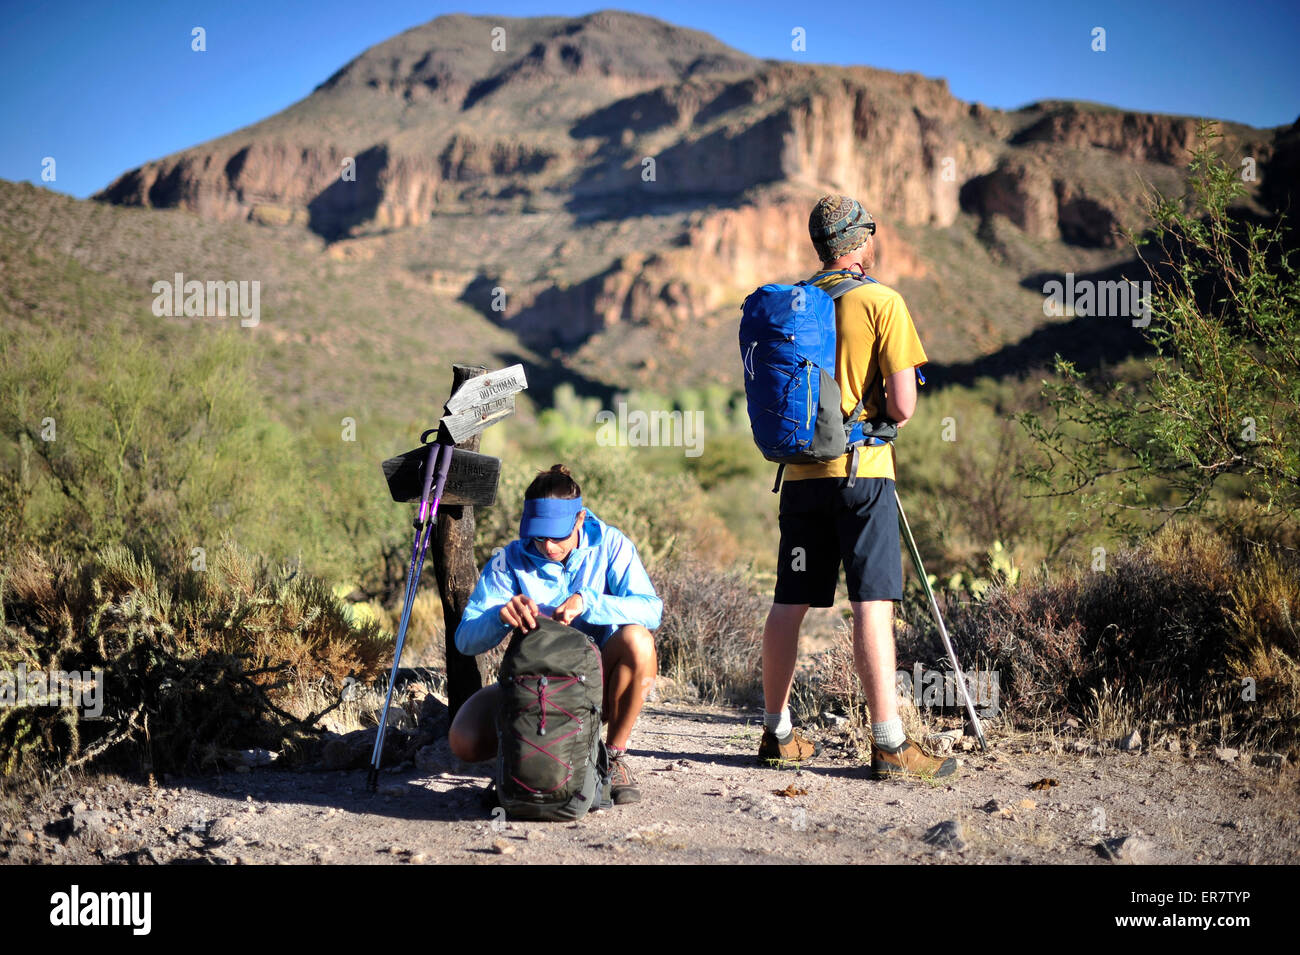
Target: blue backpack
787	346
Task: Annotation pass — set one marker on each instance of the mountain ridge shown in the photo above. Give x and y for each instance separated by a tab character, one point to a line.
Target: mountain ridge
614	172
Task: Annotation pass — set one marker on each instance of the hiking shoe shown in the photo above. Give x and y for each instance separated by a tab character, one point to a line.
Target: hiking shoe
795	749
909	760
622	785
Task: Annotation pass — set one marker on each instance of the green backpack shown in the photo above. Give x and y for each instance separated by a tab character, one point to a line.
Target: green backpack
551	762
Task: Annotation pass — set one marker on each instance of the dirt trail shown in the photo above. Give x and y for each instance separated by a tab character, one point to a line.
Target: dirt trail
705	800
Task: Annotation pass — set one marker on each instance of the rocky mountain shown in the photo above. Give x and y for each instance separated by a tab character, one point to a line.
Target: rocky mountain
599	185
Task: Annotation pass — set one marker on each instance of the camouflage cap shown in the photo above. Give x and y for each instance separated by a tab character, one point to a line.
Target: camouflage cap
838	225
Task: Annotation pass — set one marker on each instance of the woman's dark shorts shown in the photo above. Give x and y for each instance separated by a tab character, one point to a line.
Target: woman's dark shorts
825	523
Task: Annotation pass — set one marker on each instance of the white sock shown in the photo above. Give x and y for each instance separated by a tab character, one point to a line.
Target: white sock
779	723
889	735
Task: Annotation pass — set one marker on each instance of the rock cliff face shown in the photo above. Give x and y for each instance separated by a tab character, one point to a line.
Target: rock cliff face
1020	188
722	255
1139	137
448	115
615	116
883	141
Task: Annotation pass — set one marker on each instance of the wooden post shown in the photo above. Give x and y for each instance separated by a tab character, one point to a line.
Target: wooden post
456	572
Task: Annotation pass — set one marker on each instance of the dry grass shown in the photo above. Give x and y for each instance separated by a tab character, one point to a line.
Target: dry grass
191	661
1162	641
711	636
1112	715
830	684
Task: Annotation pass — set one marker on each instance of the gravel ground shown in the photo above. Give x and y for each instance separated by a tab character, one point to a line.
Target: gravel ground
704	800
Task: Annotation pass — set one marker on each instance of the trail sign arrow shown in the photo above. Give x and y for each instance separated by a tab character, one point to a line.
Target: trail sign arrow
470	422
472	478
488	388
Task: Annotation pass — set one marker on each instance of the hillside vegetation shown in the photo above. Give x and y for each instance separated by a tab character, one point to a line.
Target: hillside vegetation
196	507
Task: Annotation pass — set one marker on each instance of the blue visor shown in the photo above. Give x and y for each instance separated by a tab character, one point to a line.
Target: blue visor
549	517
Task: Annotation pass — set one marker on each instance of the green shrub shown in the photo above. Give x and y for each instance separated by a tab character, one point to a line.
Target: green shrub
957	462
111	439
118	445
192	662
1220	405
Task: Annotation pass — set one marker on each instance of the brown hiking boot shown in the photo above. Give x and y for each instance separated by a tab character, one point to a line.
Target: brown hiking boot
795	749
623	788
909	760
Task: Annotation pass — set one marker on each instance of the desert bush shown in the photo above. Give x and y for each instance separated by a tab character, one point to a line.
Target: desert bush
958	463
1175	625
1192	633
117	445
192	661
1264	648
1222	397
711	636
110	439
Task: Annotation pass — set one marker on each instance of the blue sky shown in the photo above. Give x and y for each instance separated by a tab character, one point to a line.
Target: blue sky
103	87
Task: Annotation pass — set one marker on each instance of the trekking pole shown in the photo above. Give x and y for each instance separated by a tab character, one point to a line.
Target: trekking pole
439	460
938	619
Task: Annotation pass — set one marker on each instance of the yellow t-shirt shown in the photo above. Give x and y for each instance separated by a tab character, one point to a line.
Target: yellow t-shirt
874	335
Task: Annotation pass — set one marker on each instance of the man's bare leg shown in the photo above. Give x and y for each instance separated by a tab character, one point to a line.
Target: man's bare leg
873	656
780	653
875	660
781	744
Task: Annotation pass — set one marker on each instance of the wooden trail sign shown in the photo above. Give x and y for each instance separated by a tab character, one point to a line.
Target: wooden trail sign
471	479
478	399
484	390
474	419
453	550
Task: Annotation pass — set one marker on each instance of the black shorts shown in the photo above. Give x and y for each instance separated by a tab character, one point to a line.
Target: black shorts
824	523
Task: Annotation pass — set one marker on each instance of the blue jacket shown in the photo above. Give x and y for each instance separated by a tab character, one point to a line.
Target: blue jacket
604	568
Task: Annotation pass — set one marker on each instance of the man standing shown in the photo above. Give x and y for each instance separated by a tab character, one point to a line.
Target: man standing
825	522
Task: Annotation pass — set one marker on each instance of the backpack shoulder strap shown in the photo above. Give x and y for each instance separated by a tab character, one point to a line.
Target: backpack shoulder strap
848	284
851	281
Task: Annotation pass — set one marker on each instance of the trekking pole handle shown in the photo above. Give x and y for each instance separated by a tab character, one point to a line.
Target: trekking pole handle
436	455
443	467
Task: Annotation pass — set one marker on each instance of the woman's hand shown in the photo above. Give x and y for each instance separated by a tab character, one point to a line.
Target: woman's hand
570	610
521	612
